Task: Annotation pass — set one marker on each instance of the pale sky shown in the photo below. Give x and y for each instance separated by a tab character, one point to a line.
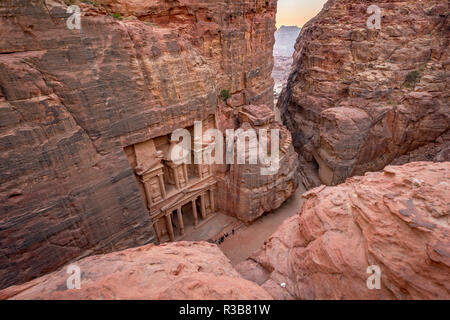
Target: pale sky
297	12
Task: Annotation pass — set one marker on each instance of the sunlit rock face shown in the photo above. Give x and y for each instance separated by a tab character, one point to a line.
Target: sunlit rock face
71	101
358	98
176	271
382	236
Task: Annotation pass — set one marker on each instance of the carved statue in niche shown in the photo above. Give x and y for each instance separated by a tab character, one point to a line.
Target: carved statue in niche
142	168
202	148
150	170
207	203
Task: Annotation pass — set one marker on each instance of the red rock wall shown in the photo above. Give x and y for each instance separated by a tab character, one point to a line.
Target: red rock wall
236	38
71	100
357	98
176	271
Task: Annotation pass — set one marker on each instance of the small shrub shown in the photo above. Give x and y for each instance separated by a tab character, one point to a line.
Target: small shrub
429	12
225	95
69	2
412	78
117	16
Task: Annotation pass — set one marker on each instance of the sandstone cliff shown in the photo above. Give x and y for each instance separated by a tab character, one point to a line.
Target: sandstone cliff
398	220
359	98
179	271
72	100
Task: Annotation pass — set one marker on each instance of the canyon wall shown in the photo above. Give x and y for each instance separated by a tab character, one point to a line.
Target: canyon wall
395	224
359	98
72	100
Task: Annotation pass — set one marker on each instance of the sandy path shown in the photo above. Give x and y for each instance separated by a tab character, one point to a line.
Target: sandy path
251	238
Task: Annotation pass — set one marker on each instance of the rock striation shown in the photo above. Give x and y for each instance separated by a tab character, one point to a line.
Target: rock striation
177	271
74	102
234	38
397	220
359	98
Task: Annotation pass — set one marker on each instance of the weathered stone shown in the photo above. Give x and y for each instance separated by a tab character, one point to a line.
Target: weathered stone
249	193
438	151
397	220
257	116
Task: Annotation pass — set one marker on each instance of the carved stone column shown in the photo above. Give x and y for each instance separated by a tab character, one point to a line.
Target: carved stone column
148	191
170	227
176	177
157	230
161	183
200	171
185	174
211	200
203	207
194	211
180	220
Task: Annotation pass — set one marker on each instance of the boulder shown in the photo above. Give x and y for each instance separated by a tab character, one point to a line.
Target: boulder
396	221
177	271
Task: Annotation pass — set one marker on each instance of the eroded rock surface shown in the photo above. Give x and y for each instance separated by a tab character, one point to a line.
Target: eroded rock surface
183	270
359	98
398	220
258	186
285	38
72	100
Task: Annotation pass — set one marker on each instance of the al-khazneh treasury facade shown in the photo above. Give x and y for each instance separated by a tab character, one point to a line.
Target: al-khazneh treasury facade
173	192
180	194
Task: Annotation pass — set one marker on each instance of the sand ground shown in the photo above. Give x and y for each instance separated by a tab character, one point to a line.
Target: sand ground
246	239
